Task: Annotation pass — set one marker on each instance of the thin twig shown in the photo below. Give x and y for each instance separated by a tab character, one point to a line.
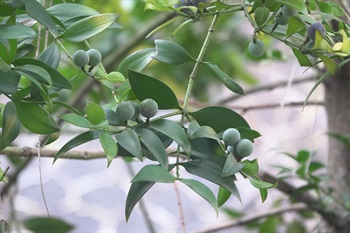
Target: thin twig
41	179
179	203
255	216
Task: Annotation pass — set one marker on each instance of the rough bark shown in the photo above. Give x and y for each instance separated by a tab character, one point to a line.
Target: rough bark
337	104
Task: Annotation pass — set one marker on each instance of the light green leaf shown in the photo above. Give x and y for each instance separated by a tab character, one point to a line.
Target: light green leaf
129	140
257	183
18	31
35	118
202	190
173	131
251	168
11	125
329	63
263	195
296	4
137	61
68	107
231	166
302	58
4	67
64	11
204	132
35	74
171	53
294	25
88	27
77	120
223	196
47	224
154	173
109	146
261	14
95	113
154	145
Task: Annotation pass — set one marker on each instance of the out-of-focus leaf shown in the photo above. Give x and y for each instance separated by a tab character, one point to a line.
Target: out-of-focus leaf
171	53
4	67
329	63
261	14
11	125
296	4
64	11
18	31
154	173
47	224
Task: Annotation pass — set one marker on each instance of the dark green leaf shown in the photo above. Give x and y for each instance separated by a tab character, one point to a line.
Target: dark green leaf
147	87
154	145
205	148
219	118
294	25
314	166
261	14
270	225
24	50
201	168
47	224
261	184
68	107
296	4
4	67
302	58
136	192
204	132
77	120
18	31
173	131
231	166
263	195
9	82
223	196
137	61
248	133
35	118
64	11
11	125
88	27
77	141
8	49
51	56
225	79
296	226
35	73
6	10
35	10
202	191
95	113
303	156
109	146
171	53
154	173
129	140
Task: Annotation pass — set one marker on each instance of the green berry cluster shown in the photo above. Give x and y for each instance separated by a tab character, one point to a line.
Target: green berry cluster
92	57
238	147
131	110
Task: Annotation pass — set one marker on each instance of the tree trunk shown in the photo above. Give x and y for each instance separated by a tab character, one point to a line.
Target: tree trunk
337	104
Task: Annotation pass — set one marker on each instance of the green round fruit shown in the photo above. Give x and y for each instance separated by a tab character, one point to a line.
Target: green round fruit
80	58
256	48
231	136
244	148
116	77
288	11
311	31
282	19
125	111
95	57
148	108
136	109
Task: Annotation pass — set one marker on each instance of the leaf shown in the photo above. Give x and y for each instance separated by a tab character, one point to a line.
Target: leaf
137	61
129	140
263	195
208	149
223	196
18	31
219	118
145	87
51	56
201	168
270	224
47	224
248	133
35	10
302	58
35	73
77	141
76	120
294	25
64	11
204	132
171	53
343	138
225	79
231	166
68	107
58	80
88	27
296	4
11	125
154	173
160	27
203	191
109	146
9	82
329	63
136	192
154	145
257	183
296	226
261	14
95	113
251	168
35	118
4	67
173	131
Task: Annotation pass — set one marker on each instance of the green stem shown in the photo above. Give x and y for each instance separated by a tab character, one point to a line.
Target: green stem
191	82
246	13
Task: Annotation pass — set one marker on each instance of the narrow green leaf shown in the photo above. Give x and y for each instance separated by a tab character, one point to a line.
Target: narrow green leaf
68	107
263	195
154	145
173	131
18	31
231	166
225	118
35	118
35	73
200	167
47	224
109	146
145	87
261	14
51	56
136	192
129	140
35	10
302	58
11	125
160	27
296	4
95	113
171	53
208	149
88	27
64	11
154	173
294	25
329	63
261	184
223	196
9	82
203	191
204	132
77	141
137	61
76	120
